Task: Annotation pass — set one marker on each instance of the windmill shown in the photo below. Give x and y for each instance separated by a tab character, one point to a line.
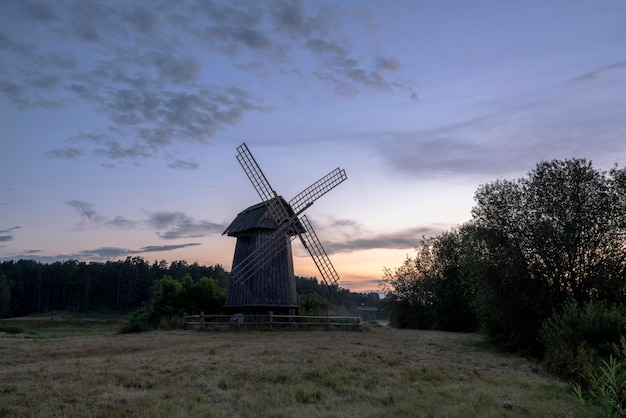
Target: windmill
262	277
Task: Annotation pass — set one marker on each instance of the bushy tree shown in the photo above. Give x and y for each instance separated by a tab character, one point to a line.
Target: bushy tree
173	298
553	236
409	290
432	289
313	304
532	245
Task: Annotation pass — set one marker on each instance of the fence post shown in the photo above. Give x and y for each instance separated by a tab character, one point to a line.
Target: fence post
327	327
201	319
270	319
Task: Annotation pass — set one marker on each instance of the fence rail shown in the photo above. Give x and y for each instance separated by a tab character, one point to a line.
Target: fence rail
272	320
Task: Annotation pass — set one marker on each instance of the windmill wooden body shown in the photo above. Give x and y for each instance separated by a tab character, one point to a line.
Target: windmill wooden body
262	276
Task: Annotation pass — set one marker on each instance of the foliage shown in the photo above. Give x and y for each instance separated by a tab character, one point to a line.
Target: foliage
532	245
431	290
123	285
313	304
138	321
553	236
577	338
606	393
337	296
409	291
173	298
5	295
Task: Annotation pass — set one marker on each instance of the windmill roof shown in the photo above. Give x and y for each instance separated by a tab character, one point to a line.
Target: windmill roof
253	218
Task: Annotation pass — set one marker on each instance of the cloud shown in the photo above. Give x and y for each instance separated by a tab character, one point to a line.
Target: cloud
88	213
37	11
141	19
86	18
121	223
64	153
174	225
346	74
604	71
168	225
398	240
159	248
183	165
85	210
107	253
142	71
96	254
349	235
9	232
579	118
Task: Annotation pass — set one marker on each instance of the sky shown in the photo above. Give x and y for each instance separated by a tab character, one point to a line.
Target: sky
119	120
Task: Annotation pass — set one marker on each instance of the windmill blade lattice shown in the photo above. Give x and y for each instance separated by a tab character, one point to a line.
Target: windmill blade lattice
309	195
261	185
288	225
314	246
257	259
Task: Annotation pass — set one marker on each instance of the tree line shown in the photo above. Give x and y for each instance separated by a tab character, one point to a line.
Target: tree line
28	287
540	267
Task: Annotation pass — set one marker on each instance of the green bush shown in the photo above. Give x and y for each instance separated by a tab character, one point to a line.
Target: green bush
138	321
578	338
605	395
172	299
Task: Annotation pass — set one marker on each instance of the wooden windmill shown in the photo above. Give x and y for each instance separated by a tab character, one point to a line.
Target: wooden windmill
262	277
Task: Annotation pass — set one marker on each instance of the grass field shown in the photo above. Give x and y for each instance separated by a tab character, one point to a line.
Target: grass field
381	372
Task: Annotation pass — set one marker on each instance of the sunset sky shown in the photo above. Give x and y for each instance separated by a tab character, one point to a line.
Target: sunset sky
119	120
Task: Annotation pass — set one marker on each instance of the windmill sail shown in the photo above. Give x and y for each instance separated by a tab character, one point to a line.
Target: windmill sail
261	185
287	224
314	246
262	255
309	195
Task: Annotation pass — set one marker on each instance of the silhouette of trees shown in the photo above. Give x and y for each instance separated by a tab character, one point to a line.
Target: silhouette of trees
532	245
124	285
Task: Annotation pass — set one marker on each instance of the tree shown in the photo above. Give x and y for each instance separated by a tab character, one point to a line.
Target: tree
452	285
409	290
5	295
543	240
432	289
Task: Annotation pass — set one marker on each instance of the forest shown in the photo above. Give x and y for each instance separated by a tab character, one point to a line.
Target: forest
28	286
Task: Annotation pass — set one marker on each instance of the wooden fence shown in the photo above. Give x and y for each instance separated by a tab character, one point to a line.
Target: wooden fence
272	321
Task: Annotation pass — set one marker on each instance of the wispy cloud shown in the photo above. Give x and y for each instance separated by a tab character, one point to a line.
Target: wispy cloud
97	254
183	164
174	225
85	210
13	228
167	225
9	232
148	81
572	119
349	235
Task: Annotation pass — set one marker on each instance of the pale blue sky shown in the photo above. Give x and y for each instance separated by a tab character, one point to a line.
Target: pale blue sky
120	119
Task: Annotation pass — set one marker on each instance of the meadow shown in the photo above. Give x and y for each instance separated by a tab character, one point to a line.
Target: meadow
380	372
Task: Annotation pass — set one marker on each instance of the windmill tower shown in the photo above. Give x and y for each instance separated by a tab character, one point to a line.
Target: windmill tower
262	277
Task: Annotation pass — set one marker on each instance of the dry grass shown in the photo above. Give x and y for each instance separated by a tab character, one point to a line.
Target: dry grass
380	373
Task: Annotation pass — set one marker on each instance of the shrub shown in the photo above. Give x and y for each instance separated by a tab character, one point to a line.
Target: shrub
138	321
606	393
578	338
